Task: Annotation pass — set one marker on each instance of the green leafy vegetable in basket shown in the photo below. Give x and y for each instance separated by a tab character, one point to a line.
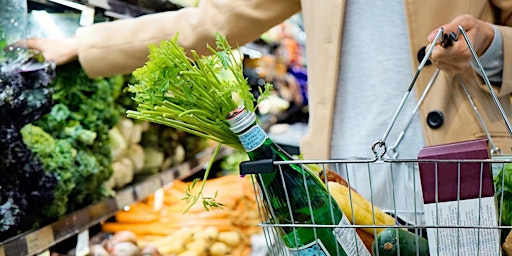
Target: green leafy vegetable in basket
194	94
503	187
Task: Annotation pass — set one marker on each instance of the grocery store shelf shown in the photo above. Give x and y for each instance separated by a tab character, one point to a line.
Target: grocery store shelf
37	241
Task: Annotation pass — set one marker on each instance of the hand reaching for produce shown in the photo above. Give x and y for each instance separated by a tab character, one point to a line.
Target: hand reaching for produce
456	58
58	50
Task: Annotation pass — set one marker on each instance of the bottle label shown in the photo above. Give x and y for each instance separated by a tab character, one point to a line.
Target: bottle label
349	239
315	248
252	138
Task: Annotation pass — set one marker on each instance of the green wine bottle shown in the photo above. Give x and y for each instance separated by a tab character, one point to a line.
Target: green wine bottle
293	194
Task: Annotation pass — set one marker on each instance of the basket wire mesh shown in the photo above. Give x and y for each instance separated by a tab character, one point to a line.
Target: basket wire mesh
459	234
462	235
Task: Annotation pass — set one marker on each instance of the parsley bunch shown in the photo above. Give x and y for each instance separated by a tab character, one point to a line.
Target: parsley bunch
194	93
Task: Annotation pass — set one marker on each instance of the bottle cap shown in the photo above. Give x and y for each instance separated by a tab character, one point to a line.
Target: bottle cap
239	119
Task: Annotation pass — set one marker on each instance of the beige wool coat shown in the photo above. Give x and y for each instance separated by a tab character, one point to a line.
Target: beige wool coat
121	46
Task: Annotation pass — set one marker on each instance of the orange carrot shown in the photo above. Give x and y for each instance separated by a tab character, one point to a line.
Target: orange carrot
213	214
220	224
136	216
153	228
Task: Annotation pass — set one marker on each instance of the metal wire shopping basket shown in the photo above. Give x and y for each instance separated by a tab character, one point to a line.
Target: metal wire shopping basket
453	232
462	217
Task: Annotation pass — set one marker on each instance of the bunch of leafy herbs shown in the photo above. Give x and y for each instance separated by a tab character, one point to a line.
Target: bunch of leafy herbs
24	97
194	94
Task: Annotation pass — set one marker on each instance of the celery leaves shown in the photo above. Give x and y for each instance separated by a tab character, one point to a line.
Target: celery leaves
192	94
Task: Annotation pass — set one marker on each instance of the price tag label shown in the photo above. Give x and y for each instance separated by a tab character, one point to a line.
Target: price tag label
41	238
45	253
124	198
87	17
206	157
159	199
183	170
498	165
82	244
168	176
147	187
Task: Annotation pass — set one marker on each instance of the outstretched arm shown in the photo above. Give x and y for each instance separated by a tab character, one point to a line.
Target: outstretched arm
121	46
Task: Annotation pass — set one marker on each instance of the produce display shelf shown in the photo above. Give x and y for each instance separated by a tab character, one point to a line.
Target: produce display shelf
38	241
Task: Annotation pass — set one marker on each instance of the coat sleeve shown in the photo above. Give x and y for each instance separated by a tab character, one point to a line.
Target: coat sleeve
121	46
506	86
504	25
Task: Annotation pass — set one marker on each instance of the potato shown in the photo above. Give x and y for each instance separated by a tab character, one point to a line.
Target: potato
200	246
125	249
230	238
219	249
190	253
98	250
208	234
124	236
150	250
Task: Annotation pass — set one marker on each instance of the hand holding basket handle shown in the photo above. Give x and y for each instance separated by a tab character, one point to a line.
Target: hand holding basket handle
453	57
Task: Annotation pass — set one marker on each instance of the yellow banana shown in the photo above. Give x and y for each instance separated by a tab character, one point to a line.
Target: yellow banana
358	210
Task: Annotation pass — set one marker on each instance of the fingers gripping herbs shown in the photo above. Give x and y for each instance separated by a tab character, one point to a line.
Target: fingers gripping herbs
193	93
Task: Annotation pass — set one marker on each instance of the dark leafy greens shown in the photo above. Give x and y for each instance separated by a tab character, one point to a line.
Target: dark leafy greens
25	186
57	157
84	112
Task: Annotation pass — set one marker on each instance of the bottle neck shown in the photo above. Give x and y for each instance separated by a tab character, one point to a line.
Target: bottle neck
244	124
252	137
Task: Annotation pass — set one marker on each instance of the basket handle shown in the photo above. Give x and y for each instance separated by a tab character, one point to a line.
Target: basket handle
445	42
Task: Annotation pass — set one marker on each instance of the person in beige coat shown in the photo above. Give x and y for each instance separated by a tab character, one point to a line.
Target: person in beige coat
121	46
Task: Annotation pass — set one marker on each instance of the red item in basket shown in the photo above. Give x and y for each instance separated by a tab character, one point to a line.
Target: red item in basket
475	178
458	195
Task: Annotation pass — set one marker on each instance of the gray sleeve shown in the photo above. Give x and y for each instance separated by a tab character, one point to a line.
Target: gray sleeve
492	59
